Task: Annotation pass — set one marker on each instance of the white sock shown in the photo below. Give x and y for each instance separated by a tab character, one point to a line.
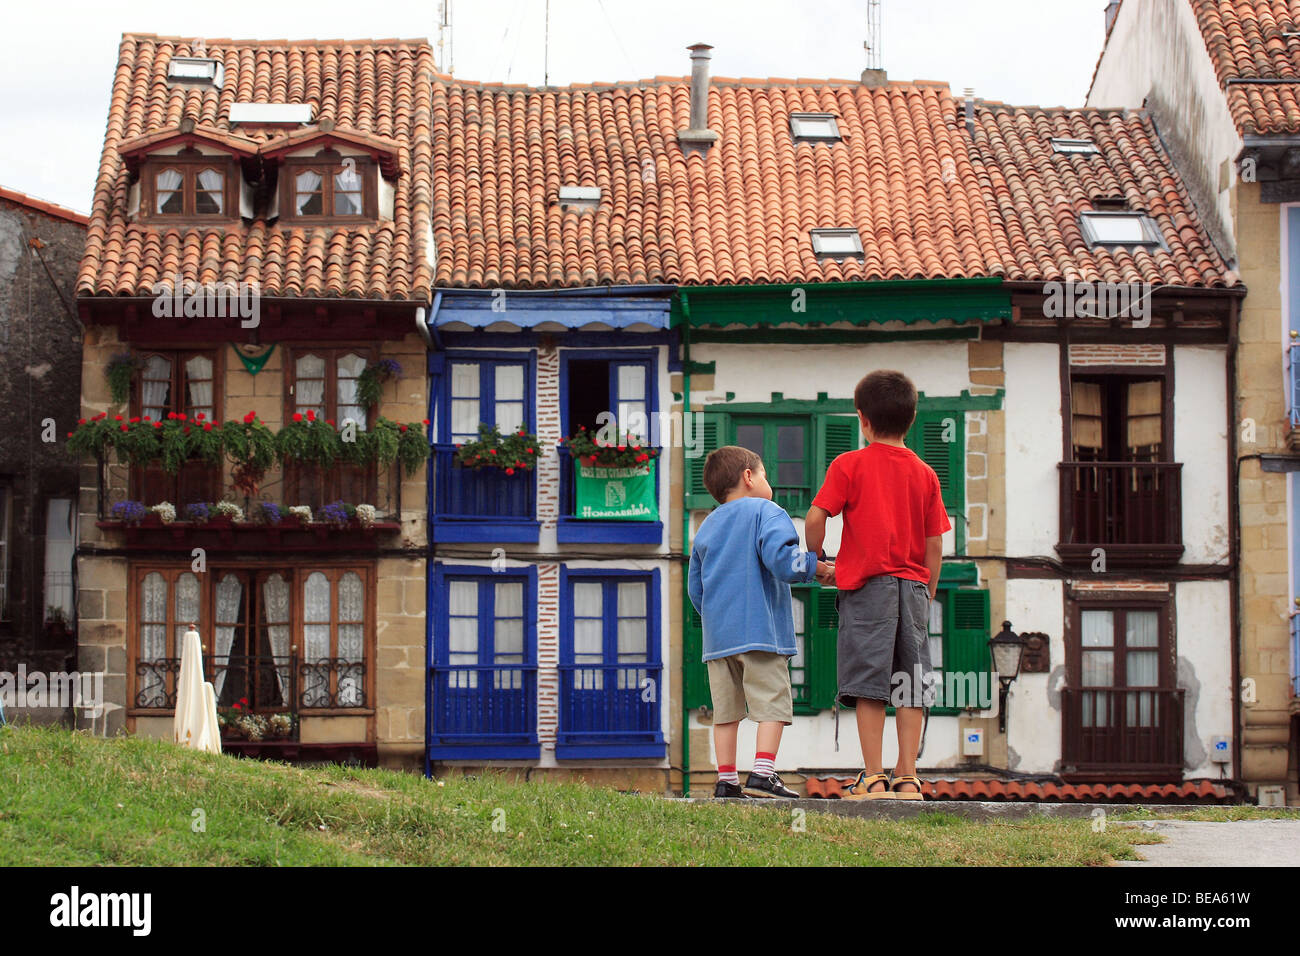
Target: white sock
765	765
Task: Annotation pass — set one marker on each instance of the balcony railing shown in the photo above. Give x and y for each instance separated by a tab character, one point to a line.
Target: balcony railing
1123	729
1131	510
609	699
270	684
488	492
484	703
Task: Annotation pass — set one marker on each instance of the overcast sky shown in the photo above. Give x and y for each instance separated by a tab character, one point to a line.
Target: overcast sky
55	80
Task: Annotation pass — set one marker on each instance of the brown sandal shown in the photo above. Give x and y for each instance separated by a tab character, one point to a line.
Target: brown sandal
906	794
860	789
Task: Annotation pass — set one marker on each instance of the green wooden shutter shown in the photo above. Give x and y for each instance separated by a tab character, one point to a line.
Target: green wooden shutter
836	434
939	438
966	648
713	435
821	642
695	674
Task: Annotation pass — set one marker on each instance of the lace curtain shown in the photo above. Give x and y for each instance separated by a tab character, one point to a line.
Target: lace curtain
316	638
350	368
509	385
153	639
167	192
275	615
351	647
309	384
632	402
155	388
209	196
631	632
198	378
462	606
508	634
308	194
230	591
465	415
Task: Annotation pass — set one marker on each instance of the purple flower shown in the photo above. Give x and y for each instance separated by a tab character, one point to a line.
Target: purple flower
271	513
335	513
131	512
388	368
198	512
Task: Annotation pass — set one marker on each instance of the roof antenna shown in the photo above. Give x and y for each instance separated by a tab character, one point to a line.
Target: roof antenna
874	74
445	62
546	48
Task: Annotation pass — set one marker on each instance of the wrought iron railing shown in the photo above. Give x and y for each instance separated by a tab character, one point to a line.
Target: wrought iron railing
269	684
1121	503
1136	727
614	698
484	702
487	492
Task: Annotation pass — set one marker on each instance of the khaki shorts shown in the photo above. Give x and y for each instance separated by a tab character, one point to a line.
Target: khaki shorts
754	683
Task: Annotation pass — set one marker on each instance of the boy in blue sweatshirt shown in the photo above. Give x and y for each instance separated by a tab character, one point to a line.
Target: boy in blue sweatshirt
744	559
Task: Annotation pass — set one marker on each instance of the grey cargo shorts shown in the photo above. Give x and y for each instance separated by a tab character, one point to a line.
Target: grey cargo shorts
884	645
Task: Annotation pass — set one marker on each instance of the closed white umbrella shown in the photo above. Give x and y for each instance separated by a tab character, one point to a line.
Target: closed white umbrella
195	724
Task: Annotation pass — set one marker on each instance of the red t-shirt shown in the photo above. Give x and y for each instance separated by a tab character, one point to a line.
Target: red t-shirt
892	502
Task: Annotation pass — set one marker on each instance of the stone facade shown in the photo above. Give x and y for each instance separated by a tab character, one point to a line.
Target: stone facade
40	347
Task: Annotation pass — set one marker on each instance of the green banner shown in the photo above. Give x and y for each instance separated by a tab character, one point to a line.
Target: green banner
624	494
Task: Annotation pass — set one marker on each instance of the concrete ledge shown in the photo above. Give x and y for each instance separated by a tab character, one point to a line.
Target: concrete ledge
970	809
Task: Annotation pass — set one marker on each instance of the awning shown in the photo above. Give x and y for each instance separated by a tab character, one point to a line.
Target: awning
604	306
858	303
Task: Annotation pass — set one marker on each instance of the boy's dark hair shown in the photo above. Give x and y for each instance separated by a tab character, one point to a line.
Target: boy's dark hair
887	400
724	466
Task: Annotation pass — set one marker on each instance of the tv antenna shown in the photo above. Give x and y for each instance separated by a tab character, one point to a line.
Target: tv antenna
875	40
445	64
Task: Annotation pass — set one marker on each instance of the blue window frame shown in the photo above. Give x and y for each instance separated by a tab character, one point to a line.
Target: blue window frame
482	688
623	382
470	387
611	674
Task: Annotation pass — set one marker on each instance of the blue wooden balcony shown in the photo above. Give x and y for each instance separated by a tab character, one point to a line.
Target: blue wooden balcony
610	711
483	712
484	505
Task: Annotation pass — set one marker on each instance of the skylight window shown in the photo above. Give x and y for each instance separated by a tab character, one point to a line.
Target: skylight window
196	69
836	243
1119	229
270	113
1083	146
814	127
579	194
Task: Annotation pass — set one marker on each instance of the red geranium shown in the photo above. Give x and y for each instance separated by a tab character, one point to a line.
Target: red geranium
297	416
125	428
311	415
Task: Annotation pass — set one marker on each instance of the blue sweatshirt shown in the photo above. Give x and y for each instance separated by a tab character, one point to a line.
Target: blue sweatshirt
745	557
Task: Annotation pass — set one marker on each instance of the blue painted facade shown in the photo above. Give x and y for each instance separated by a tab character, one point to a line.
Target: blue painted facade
546	634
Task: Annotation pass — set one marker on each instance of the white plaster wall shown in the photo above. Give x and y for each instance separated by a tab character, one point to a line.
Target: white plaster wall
1201	444
1156	56
1033	720
1033	437
1204	648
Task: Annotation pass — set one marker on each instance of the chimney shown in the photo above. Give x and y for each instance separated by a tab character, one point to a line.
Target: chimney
699	135
969	94
1112	9
872	78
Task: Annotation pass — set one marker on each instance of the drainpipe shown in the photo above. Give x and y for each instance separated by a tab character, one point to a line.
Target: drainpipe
1234	519
686	534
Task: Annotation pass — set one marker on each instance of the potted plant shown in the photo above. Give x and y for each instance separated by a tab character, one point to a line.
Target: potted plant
511	454
370	383
612	481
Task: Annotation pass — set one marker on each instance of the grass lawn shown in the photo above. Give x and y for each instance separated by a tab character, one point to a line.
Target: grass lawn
75	800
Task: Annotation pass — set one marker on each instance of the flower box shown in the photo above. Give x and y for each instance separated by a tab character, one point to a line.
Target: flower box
614	493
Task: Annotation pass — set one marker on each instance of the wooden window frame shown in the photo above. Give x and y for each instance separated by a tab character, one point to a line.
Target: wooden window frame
253	573
328	163
331	478
1079	601
178	357
189	163
1164	372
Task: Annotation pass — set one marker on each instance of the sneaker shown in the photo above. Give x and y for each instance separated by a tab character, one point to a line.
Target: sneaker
860	789
728	791
759	786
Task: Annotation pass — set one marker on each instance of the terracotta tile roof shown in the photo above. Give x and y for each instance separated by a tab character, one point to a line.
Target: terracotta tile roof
927	202
137	146
1048	791
378	88
41	206
1245	42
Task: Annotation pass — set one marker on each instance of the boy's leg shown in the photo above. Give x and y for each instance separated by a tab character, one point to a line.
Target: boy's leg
724	742
871	734
769	740
908	721
771	706
912	661
868	624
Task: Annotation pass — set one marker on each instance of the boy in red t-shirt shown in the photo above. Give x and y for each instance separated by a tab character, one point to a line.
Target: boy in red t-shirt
886	571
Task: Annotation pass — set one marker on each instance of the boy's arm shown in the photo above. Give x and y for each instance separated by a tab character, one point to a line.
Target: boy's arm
934	560
695	583
778	548
814	528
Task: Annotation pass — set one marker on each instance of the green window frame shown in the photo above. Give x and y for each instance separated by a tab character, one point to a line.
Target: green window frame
939	439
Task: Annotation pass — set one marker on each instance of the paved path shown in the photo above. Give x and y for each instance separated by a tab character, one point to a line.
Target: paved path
1240	843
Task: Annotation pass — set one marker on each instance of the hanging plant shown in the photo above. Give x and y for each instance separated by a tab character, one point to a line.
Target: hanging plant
509	453
93	437
120	372
584	446
251	446
309	440
370	383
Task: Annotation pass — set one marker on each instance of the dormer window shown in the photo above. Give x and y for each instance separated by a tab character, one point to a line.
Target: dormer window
328	188
188	187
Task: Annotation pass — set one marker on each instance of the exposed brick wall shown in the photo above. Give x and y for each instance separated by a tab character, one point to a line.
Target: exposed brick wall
548	653
1085	355
1126	586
